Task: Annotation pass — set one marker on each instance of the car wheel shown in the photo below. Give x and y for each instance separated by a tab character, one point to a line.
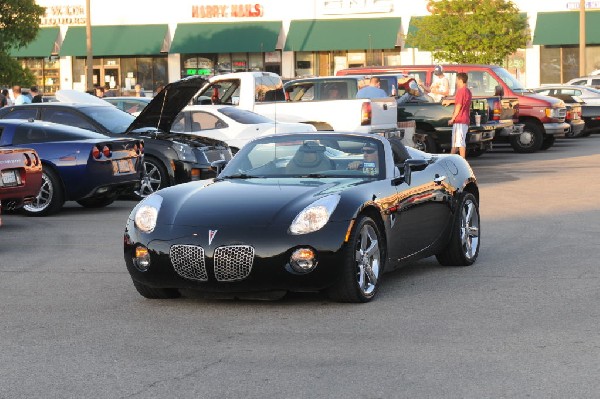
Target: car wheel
426	143
530	140
51	197
548	142
463	247
97	202
154	177
363	264
156	293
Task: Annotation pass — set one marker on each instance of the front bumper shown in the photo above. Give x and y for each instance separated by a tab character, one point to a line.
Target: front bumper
577	126
270	269
557	129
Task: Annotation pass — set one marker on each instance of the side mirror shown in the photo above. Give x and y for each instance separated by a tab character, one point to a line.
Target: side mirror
499	91
218	166
409	166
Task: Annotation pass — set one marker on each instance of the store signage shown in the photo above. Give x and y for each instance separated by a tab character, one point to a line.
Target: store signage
588	4
196	71
64	15
355	6
228	11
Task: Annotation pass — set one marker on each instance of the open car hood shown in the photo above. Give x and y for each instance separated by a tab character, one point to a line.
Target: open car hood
161	111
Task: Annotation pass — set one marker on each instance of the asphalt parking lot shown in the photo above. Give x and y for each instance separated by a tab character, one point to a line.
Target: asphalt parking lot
521	322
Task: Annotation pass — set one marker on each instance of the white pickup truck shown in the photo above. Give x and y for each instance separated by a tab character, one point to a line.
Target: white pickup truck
263	93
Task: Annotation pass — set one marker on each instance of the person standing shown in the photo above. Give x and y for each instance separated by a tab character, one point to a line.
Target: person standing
372	90
440	86
36	96
3	98
139	92
461	115
20	98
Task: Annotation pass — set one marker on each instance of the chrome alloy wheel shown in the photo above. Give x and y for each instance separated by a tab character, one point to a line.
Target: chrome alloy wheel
367	260
469	229
526	139
44	197
151	180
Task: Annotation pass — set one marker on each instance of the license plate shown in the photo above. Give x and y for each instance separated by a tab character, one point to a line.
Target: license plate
122	166
9	178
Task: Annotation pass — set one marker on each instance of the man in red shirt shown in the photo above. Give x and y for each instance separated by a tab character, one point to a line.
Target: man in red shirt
461	117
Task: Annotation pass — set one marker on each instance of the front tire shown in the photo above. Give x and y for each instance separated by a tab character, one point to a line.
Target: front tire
463	247
154	177
156	293
363	264
50	198
529	141
426	144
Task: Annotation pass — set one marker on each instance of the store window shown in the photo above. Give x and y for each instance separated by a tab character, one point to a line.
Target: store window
391	57
239	62
198	64
304	64
256	62
46	72
550	65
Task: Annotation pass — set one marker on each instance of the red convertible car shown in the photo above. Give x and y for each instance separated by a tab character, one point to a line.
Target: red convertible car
20	177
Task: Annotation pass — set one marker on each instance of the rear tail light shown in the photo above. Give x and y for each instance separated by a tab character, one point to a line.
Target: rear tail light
569	115
196	173
36	159
28	161
366	113
96	153
497	111
106	151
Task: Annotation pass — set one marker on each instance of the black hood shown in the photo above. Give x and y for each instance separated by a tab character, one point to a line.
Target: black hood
161	111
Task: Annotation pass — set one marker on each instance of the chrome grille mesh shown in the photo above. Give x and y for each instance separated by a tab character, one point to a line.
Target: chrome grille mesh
233	262
188	261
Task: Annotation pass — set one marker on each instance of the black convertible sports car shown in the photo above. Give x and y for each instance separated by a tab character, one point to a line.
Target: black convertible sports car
305	212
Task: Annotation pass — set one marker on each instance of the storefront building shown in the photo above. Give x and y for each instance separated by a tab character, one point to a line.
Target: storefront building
153	44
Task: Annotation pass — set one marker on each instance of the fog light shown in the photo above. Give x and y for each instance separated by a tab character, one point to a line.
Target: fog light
303	260
142	258
196	173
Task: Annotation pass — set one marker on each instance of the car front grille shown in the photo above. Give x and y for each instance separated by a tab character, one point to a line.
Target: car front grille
231	263
188	262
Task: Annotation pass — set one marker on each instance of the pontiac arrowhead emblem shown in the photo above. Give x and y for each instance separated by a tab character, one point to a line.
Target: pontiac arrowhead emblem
211	235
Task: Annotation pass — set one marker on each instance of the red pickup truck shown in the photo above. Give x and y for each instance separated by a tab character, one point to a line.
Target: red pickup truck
542	117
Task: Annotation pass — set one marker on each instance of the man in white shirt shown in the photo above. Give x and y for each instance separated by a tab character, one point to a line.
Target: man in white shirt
440	86
20	98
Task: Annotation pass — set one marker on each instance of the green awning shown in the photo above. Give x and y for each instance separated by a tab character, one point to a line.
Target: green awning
562	28
116	40
226	37
42	46
343	34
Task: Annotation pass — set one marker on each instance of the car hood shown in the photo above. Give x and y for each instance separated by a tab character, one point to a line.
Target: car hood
244	202
552	100
161	111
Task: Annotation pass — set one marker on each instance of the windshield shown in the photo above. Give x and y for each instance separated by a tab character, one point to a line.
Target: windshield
113	119
509	80
308	155
243	116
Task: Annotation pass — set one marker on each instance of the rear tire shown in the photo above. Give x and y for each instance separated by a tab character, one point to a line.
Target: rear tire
363	264
426	144
156	293
463	246
529	141
50	198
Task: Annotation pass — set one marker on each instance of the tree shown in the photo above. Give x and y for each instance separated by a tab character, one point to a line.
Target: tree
470	31
19	25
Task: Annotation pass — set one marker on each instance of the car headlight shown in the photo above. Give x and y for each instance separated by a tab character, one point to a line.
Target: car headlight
146	213
184	152
314	216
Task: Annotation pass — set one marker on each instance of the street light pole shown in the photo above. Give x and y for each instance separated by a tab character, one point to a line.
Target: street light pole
89	74
582	60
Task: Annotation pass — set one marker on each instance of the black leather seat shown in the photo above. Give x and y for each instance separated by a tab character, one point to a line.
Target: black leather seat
310	158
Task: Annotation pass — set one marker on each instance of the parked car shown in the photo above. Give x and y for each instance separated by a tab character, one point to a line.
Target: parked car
78	165
589	95
169	158
131	105
233	125
591	81
20	177
320	211
575	106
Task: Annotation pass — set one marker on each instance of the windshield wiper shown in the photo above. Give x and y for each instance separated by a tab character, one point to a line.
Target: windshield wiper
239	176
